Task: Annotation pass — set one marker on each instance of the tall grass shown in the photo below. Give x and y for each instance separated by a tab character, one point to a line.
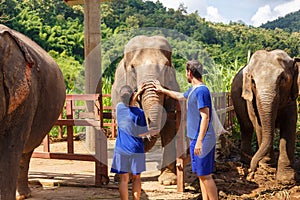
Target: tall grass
219	77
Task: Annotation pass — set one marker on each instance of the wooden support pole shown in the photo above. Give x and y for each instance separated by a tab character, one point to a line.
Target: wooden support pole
69	112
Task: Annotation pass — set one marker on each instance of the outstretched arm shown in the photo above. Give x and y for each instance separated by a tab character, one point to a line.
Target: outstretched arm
174	94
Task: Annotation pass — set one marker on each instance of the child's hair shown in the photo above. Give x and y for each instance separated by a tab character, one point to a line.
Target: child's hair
195	67
126	94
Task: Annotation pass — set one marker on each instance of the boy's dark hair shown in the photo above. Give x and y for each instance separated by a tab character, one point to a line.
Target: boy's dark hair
126	94
195	67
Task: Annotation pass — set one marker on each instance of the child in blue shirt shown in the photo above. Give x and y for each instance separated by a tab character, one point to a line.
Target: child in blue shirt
129	156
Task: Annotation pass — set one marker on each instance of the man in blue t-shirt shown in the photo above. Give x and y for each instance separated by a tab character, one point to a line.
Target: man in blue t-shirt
129	156
199	127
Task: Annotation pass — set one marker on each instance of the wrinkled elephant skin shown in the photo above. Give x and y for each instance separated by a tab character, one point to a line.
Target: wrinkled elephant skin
32	94
148	59
264	95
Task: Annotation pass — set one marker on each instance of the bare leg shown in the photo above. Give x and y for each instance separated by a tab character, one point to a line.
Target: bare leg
203	190
136	187
123	186
209	186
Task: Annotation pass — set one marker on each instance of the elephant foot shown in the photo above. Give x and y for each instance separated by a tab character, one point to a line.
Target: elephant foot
167	177
265	168
250	176
24	194
267	163
286	177
21	197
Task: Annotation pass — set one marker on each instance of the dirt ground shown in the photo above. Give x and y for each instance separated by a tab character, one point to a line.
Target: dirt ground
63	179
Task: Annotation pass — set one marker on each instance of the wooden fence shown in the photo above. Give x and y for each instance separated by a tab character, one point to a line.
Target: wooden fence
75	113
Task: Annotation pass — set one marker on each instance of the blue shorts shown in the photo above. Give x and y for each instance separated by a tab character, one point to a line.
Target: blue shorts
202	165
124	163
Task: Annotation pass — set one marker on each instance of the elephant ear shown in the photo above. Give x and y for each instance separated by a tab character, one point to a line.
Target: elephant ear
247	86
16	70
123	77
171	82
296	79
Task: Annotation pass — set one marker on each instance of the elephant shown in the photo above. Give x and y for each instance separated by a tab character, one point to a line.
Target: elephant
264	95
148	59
32	95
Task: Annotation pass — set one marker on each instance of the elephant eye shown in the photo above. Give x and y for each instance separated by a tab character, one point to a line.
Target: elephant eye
132	68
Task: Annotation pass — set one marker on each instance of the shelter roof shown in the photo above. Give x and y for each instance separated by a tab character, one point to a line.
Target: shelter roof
76	2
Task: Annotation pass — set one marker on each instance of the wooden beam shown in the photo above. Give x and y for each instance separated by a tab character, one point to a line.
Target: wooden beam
80	2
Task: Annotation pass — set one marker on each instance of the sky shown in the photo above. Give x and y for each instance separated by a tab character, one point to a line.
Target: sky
251	12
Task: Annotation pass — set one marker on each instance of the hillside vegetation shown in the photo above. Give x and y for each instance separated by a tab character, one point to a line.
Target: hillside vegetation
290	23
59	30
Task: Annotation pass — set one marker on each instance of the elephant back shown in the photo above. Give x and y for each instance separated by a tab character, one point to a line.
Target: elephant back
39	82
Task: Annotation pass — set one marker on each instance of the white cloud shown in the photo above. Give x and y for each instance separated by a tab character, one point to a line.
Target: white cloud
212	14
286	8
265	13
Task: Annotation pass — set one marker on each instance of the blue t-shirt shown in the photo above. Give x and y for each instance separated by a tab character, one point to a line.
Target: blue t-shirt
199	98
131	122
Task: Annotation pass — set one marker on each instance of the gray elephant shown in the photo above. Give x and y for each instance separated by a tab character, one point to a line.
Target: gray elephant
32	94
264	95
148	59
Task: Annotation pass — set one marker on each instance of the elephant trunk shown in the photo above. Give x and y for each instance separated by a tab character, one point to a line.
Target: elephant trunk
152	104
267	108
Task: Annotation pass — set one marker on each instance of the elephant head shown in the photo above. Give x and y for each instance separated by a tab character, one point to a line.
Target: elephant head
270	88
147	59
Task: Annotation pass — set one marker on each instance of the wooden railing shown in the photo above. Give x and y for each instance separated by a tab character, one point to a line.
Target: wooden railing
78	115
224	108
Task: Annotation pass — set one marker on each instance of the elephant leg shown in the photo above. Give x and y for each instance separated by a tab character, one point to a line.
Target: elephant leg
246	139
168	170
23	190
285	168
11	145
246	125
